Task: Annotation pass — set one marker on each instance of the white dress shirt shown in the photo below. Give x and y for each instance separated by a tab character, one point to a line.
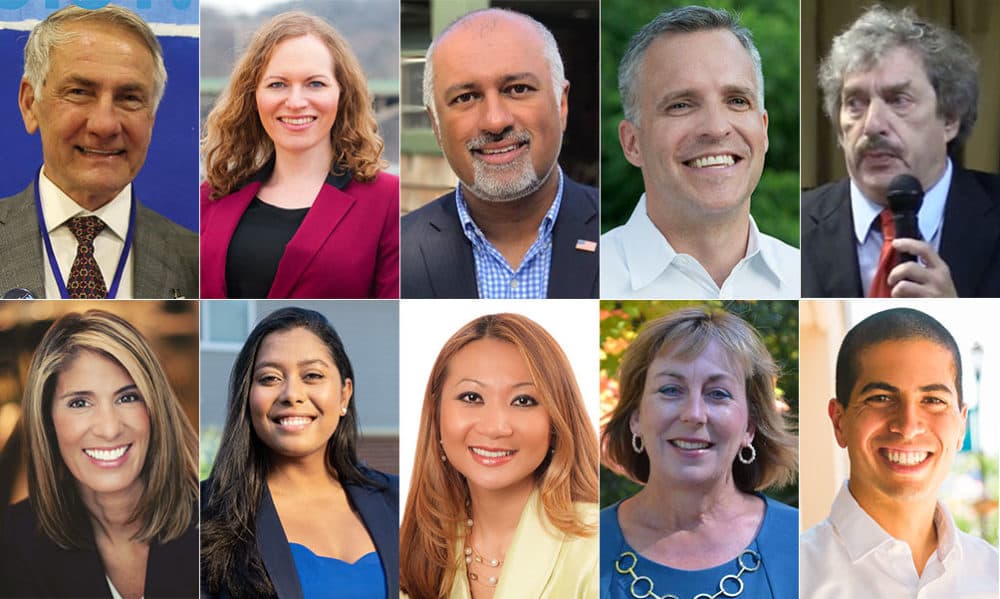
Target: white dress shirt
637	262
58	208
868	239
849	555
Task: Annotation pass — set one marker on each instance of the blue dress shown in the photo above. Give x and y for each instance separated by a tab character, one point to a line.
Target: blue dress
318	574
767	568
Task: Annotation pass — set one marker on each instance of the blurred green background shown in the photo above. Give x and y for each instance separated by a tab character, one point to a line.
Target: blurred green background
775	28
776	321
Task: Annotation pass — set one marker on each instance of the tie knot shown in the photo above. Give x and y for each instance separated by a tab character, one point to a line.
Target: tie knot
86	228
888	225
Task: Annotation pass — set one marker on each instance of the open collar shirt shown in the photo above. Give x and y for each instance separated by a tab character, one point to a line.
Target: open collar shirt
850	555
637	262
495	278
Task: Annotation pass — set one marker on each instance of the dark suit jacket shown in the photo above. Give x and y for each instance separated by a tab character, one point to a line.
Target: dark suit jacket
347	246
379	511
31	565
437	256
164	254
970	238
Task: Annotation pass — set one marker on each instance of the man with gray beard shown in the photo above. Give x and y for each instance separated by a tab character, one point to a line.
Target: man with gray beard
515	227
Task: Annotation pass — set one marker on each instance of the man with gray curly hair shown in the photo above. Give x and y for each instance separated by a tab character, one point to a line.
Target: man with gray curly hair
692	90
515	227
901	94
92	82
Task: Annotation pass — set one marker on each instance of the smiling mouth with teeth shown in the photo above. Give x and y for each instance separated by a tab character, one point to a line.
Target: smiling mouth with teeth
486	453
107	455
294	420
690	444
905	458
302	120
714	160
101	152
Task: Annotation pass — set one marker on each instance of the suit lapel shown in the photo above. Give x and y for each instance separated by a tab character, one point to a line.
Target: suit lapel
573	273
381	521
833	250
329	208
447	253
274	550
221	217
971	226
21	244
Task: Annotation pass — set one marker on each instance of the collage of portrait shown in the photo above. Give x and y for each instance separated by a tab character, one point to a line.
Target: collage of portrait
482	299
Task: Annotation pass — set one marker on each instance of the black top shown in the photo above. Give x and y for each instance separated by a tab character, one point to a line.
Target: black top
257	246
31	565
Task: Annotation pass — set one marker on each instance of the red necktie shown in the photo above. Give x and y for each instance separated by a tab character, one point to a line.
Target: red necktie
887	258
85	280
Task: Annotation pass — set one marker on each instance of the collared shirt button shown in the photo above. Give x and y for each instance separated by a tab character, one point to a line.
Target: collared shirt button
513	283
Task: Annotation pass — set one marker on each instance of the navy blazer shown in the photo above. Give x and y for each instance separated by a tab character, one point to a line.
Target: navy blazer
970	238
31	565
437	256
379	511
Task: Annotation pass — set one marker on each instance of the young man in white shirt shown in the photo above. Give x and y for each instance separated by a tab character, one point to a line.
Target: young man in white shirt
899	412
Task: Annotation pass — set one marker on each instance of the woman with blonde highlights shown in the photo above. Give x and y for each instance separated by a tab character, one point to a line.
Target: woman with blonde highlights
697	425
502	501
112	459
295	201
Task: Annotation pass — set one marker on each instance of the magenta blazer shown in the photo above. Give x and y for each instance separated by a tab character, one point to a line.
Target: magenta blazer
347	246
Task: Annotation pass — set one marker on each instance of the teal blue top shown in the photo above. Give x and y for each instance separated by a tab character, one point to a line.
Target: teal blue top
318	575
769	572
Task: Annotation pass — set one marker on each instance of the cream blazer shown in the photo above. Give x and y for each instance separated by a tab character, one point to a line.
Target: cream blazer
542	561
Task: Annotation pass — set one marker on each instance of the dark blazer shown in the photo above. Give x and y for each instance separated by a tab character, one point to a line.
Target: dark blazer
379	511
437	256
347	246
31	565
164	254
970	238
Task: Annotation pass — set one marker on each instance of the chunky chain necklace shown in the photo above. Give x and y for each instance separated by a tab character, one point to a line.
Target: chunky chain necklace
642	586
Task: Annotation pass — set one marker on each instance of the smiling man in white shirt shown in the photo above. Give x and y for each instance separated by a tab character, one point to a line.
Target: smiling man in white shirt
899	412
692	90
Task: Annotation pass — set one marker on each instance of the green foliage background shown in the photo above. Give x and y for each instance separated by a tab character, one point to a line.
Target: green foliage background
776	321
775	28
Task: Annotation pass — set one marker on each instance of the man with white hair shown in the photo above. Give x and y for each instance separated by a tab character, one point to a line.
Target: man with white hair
692	90
92	82
515	226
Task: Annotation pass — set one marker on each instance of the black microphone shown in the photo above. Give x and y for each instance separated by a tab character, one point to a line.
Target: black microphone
18	293
905	197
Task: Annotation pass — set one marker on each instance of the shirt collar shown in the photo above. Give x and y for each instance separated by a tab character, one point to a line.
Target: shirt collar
475	234
862	535
928	218
648	252
58	208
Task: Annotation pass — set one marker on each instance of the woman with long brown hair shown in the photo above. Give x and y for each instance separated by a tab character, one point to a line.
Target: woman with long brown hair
503	496
295	201
112	459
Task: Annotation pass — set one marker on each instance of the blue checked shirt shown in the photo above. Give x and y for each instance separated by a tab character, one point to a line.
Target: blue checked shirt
494	276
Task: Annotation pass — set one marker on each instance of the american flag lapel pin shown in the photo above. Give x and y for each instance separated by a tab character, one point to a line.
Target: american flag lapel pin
585	245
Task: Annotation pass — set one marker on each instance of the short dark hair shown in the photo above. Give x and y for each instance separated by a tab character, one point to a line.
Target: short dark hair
896	324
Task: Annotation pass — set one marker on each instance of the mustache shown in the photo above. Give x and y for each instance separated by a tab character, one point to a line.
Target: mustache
507	135
876	143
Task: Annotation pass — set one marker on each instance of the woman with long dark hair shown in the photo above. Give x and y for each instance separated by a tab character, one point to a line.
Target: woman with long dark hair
289	511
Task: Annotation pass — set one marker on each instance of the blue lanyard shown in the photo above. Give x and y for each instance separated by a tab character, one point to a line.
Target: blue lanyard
54	264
